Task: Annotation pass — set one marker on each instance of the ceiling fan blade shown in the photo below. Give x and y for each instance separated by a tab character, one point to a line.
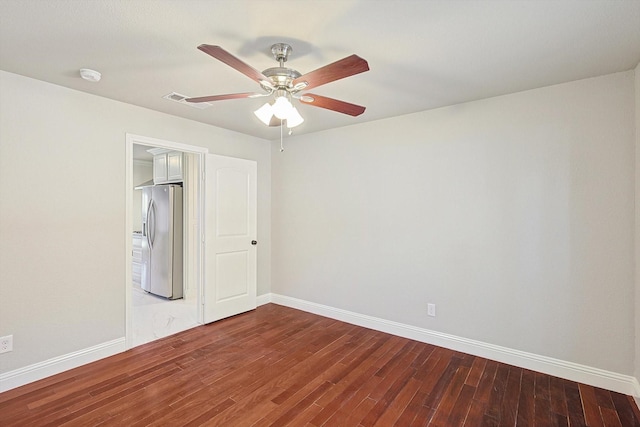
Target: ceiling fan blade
332	104
222	55
345	67
223	97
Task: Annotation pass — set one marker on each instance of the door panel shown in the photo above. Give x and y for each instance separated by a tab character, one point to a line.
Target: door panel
231	275
233	194
230	226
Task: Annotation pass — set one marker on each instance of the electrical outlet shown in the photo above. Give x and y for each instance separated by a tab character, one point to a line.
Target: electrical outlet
431	310
6	344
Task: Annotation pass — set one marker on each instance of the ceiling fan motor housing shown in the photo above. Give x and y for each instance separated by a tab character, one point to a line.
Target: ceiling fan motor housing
281	77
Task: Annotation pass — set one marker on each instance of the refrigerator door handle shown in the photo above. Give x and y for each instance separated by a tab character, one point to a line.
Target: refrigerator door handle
151	228
145	225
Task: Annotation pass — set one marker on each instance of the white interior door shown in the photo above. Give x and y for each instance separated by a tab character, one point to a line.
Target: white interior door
230	234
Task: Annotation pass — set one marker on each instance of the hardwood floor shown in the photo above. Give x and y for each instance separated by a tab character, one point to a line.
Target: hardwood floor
277	366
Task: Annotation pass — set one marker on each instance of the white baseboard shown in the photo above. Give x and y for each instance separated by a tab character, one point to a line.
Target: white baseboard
596	377
572	371
263	299
38	371
636	393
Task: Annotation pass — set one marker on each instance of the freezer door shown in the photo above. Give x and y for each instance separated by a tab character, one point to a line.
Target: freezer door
160	230
146	254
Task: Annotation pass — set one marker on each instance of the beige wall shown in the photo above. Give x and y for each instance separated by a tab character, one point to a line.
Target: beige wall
514	215
62	212
637	230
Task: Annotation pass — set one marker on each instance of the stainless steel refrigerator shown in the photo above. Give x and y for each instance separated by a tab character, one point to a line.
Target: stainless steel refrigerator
162	240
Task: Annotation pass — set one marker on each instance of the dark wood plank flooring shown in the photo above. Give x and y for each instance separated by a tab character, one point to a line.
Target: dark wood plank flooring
277	366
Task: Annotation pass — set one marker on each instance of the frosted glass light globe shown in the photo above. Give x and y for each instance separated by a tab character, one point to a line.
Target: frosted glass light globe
281	108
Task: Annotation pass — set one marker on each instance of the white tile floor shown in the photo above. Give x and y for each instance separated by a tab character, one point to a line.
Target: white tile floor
155	317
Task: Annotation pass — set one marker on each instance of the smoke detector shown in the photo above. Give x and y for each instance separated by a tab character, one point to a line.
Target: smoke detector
90	75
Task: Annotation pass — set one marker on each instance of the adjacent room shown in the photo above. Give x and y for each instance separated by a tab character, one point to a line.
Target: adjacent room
377	212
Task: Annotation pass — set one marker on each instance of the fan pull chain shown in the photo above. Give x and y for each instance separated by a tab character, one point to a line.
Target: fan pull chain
281	144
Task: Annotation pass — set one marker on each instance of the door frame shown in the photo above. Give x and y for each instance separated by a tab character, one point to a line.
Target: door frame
200	153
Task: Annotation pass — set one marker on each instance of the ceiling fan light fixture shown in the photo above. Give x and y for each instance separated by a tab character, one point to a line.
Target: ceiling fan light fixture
294	118
264	113
282	107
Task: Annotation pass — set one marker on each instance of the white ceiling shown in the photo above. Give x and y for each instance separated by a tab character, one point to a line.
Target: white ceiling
422	54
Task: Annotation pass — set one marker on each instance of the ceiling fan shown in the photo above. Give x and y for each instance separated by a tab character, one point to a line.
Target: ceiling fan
287	83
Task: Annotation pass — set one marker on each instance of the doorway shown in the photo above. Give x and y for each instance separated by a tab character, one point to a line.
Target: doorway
147	316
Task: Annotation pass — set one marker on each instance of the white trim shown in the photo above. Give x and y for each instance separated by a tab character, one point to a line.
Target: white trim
40	370
162	143
128	245
572	371
263	299
130	140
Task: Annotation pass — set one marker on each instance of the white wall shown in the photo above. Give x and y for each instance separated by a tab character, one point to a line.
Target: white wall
62	212
514	215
